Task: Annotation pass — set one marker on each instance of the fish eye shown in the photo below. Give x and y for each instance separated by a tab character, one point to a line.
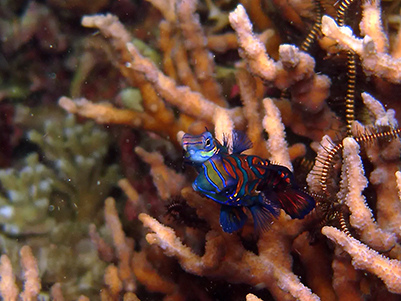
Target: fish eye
207	142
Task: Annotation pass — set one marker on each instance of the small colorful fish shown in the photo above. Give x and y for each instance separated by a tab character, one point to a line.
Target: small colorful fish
236	181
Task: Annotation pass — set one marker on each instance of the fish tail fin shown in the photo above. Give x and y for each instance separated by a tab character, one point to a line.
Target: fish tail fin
232	218
295	202
263	213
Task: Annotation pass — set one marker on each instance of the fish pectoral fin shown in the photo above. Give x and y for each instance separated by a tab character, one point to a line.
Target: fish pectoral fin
232	218
263	213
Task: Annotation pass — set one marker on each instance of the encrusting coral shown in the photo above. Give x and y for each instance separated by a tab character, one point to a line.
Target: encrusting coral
165	242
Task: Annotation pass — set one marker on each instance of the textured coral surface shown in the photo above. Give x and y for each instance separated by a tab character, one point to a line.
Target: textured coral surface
96	201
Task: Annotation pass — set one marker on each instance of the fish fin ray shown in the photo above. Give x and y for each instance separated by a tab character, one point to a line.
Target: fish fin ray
241	142
263	213
232	218
296	203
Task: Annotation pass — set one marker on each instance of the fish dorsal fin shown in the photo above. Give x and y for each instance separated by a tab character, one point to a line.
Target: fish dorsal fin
221	147
240	141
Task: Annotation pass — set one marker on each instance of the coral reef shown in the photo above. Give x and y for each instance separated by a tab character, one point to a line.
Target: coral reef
77	152
48	205
24	207
315	89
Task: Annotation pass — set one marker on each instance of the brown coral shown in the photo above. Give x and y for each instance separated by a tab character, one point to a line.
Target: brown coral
285	104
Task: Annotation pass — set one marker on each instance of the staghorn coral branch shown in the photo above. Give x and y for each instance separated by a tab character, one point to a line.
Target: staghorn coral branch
346	280
361	216
388	270
382	117
319	275
396	51
276	143
189	102
252	49
30	273
167	181
135	203
8	289
373	62
296	150
342	35
383	179
371	25
248	86
184	71
129	191
294	70
32	283
106	114
236	265
289	282
252	297
166	239
124	252
398	177
294	65
111	28
385	162
167	8
112	280
167	42
130	297
227	41
195	43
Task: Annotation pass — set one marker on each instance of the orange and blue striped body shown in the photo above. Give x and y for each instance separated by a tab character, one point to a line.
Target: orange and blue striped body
238	181
231	179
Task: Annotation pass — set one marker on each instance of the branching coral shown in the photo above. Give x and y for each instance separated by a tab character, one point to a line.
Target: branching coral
389	270
293	71
40	197
24	207
235	264
372	48
76	151
165	241
8	288
380	236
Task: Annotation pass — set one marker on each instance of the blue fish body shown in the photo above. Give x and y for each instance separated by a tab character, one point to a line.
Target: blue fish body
239	181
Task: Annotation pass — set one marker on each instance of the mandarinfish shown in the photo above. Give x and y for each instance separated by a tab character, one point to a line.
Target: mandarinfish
236	180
